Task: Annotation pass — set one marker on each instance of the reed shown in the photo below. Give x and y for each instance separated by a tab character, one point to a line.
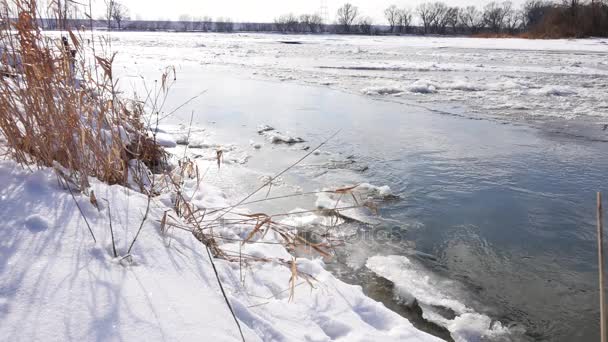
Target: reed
58	105
600	256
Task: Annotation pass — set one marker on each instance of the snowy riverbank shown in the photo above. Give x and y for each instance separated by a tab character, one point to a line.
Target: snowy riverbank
56	284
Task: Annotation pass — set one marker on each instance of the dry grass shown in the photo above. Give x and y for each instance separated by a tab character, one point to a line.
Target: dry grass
58	104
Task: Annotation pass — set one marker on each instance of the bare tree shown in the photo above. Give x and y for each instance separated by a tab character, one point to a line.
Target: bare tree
534	11
347	15
224	24
513	21
311	22
109	11
287	23
471	19
494	15
440	17
392	15
365	25
117	12
453	18
405	19
427	14
186	22
206	23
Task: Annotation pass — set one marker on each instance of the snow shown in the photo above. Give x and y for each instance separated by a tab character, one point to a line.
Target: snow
36	223
431	292
56	284
498	78
277	137
165	140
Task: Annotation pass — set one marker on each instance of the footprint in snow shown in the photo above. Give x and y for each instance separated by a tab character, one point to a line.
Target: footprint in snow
36	223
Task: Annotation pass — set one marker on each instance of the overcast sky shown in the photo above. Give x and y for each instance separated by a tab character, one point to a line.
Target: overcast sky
263	10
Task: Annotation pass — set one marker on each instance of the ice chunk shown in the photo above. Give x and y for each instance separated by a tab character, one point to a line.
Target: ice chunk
422	87
165	140
264	128
386	90
553	91
276	137
412	281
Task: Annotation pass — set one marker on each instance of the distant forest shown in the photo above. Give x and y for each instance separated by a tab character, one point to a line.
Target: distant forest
534	19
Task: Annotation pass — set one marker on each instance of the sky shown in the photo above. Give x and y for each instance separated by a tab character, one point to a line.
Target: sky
262	10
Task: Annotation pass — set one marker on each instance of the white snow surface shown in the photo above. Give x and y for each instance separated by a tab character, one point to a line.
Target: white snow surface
508	79
56	284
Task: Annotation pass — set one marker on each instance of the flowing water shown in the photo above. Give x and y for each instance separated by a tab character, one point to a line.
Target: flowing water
499	216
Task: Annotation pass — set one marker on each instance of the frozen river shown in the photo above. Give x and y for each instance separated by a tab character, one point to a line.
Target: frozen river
515	80
492	221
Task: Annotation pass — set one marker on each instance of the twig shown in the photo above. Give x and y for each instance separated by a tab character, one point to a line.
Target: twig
217	276
67	185
143	221
182	105
111	229
188	136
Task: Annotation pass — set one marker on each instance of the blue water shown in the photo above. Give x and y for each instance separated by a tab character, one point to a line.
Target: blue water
507	210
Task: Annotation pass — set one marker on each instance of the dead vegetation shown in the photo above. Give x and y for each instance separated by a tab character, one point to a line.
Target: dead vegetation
59	105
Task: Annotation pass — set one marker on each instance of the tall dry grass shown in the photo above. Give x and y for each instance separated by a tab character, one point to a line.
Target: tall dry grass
58	105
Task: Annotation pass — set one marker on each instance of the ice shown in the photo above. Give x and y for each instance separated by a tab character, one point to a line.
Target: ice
373	191
412	281
256	145
279	138
423	87
354	199
165	139
482	74
382	90
464	86
553	91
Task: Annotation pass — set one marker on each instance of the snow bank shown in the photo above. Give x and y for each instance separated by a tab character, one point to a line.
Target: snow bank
434	295
56	284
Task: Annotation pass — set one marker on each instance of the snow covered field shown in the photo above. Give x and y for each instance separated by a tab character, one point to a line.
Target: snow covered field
512	79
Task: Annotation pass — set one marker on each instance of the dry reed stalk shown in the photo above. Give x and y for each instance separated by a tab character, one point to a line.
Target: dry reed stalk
600	256
57	110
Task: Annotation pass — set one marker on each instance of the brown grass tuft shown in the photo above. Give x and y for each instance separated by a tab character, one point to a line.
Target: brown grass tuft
56	108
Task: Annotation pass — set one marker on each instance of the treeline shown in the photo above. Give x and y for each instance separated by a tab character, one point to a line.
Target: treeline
207	25
535	19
